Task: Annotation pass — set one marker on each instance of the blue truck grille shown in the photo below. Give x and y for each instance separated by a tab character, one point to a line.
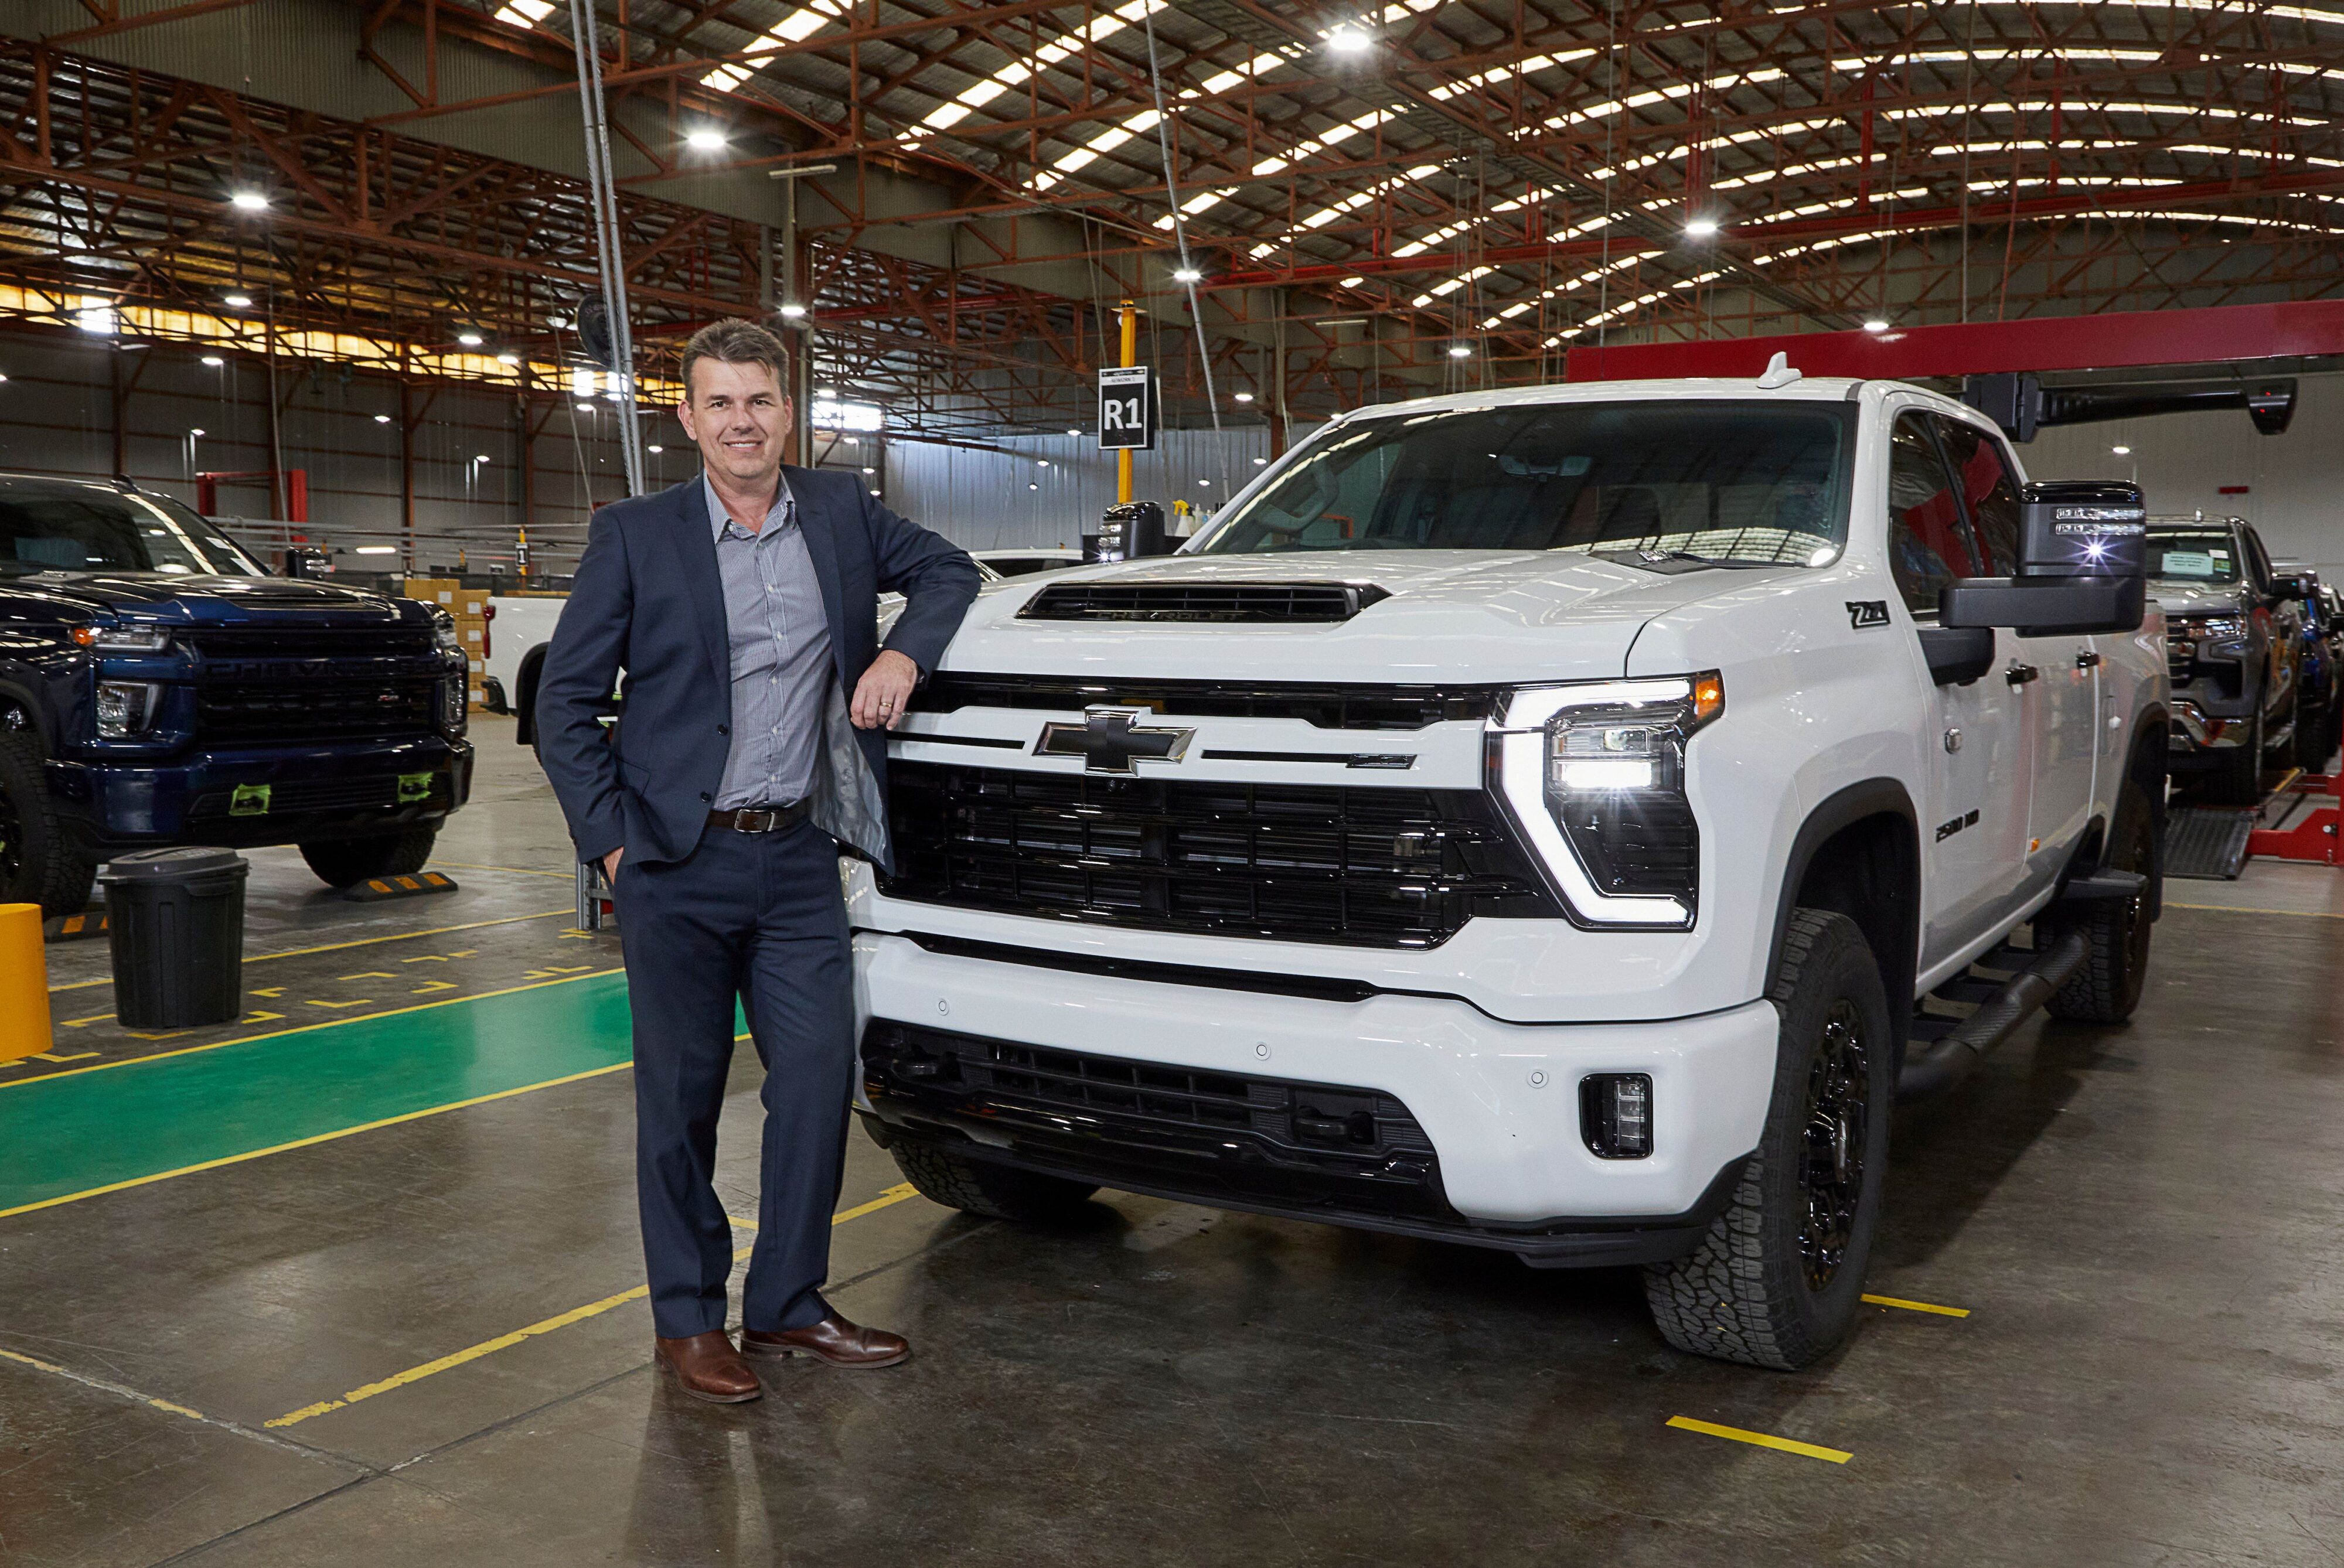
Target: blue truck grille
298	711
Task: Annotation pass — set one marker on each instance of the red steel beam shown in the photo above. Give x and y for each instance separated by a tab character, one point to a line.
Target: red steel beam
2112	338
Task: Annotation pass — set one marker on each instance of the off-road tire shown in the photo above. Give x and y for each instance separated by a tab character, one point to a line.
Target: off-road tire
2237	775
1746	1293
38	864
2107	987
979	1186
2316	728
346	862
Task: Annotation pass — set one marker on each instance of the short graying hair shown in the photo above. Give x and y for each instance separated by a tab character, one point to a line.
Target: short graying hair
737	342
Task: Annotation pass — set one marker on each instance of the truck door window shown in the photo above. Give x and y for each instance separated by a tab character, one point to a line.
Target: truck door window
1928	544
1988	491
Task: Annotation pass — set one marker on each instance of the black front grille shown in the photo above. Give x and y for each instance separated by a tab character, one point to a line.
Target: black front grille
1325	707
240	643
1320	602
1361	1147
301	797
1364	866
294	711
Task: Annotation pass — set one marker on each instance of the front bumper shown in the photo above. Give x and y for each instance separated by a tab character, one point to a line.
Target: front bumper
1466	1128
341	790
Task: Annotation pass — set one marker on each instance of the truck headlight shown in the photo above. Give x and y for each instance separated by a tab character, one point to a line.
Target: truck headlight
1595	776
125	708
443	631
453	709
123	638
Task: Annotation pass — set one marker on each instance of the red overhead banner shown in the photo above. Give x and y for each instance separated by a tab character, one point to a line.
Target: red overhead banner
2038	343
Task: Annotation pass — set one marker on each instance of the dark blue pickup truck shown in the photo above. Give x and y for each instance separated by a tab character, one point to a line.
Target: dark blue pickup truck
157	686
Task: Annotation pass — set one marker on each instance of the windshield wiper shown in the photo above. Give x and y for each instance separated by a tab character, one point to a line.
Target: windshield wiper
1672	560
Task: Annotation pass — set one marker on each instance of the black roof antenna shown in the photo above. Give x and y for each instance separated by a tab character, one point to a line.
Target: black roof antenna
126	484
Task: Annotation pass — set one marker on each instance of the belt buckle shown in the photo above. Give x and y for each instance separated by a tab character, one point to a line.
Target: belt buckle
766	825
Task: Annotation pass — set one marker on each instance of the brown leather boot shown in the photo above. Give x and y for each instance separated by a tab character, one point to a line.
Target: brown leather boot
833	1340
707	1367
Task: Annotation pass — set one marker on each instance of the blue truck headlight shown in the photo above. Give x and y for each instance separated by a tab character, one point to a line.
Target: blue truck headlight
1594	775
123	638
126	708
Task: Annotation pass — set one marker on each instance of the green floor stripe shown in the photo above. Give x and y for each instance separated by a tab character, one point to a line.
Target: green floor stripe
96	1129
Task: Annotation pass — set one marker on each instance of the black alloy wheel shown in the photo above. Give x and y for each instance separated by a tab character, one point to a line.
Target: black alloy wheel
1832	1176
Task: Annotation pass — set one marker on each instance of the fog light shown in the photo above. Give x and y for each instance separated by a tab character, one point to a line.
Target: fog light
1615	1115
125	708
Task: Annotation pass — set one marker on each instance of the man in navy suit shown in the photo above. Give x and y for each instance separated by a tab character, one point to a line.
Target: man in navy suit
750	748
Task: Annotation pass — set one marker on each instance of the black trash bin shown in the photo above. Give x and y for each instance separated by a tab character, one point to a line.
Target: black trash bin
176	920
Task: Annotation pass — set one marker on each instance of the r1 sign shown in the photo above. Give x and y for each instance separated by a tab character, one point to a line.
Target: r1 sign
1127	409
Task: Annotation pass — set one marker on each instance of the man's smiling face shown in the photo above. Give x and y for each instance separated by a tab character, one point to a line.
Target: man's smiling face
739	415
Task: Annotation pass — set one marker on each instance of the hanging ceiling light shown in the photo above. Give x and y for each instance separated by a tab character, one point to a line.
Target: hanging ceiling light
1701	228
249	201
1186	274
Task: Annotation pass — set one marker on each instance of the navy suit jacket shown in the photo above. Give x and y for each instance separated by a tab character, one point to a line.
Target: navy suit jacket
649	599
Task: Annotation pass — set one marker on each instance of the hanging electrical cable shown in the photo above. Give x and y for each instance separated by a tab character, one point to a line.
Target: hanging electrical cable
1180	243
608	259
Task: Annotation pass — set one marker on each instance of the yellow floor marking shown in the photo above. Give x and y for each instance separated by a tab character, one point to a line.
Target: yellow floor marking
53	1056
305	1029
361	942
152	1035
516	870
1918	1306
426	958
110	1387
369	975
1760	1439
2246	909
359	1002
893	1195
428	987
298	1142
272	991
79	1022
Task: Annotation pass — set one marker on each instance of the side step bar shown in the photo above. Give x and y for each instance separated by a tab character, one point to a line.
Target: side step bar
1936	1060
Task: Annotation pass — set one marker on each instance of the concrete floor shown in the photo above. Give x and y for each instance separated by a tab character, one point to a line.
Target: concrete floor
2141	1224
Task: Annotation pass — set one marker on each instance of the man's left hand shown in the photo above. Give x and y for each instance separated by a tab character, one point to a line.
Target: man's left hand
885	691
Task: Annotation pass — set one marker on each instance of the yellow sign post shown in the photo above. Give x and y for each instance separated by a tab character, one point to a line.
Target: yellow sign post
23	983
1130	314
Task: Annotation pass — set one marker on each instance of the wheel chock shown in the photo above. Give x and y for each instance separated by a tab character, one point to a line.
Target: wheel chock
375	889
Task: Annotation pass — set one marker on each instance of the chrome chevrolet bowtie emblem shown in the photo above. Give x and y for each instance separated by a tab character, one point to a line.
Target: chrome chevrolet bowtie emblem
1110	741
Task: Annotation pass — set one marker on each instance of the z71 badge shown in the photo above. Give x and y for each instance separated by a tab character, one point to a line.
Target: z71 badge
1864	612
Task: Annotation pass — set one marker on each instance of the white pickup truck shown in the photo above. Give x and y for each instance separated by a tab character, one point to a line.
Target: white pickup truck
1557	820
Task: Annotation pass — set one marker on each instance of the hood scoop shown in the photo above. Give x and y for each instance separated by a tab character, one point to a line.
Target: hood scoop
1251	603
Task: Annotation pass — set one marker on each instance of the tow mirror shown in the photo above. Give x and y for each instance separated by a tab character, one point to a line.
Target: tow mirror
2081	568
2291	585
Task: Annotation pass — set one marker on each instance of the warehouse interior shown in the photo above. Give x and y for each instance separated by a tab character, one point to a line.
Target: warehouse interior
320	1226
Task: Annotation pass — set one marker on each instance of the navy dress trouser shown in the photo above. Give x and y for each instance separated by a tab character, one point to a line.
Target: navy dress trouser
760	918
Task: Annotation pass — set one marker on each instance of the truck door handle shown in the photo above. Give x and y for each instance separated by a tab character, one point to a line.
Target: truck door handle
2087	660
2019	674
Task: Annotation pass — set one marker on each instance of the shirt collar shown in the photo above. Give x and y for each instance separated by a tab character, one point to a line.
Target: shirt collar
784	512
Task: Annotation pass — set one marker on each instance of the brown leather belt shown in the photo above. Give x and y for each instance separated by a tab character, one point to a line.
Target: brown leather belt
759	818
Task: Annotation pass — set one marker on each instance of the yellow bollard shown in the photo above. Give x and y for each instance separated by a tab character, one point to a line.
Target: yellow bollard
23	983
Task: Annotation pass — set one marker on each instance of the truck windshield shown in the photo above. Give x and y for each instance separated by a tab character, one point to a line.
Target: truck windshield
1759	483
45	526
2193	555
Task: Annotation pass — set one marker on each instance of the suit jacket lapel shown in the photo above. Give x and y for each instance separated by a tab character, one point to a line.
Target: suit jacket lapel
822	548
705	579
